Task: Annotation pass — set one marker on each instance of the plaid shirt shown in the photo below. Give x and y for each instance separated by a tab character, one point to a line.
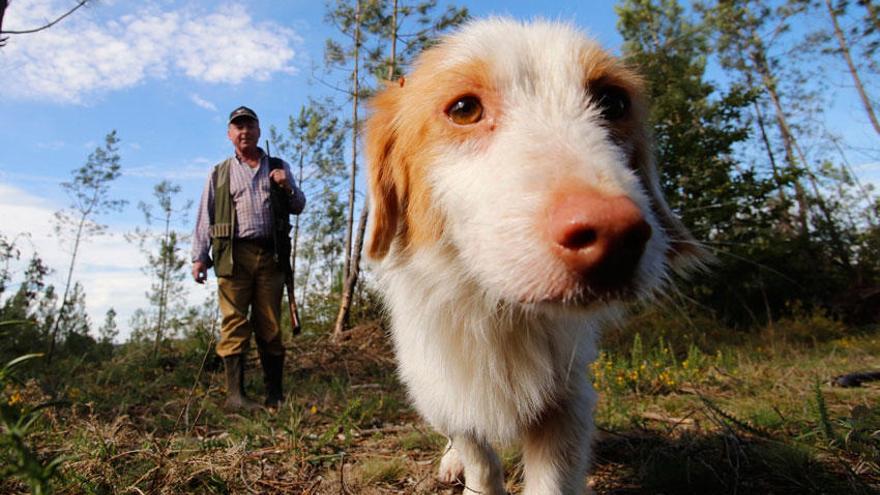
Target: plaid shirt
250	195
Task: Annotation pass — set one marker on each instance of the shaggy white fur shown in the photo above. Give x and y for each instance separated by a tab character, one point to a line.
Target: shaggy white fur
493	329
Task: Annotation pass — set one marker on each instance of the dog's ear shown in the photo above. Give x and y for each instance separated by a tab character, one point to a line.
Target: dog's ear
381	135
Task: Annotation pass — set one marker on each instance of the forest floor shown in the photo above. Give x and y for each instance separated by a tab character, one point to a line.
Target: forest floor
757	416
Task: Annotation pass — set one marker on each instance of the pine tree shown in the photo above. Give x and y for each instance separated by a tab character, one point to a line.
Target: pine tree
22	331
107	333
89	193
377	27
109	330
165	260
695	125
315	145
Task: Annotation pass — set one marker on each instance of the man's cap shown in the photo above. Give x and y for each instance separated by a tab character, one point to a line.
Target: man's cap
242	112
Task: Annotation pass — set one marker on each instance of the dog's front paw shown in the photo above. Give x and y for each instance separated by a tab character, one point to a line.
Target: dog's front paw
451	467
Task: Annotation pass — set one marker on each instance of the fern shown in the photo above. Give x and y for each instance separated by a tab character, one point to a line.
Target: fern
822	411
736	421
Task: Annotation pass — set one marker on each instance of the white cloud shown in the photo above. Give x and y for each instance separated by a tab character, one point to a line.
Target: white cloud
108	267
198	100
82	56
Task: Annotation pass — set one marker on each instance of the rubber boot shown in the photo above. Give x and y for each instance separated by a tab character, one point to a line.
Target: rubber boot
236	400
273	375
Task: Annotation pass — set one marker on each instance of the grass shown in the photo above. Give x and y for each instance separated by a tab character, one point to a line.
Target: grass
686	406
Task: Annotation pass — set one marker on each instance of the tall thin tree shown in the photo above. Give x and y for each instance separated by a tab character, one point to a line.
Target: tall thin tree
385	26
165	261
89	193
845	52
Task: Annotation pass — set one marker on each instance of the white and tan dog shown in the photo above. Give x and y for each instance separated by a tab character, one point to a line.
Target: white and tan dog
515	205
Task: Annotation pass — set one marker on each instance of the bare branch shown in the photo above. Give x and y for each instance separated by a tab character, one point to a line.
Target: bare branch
5	3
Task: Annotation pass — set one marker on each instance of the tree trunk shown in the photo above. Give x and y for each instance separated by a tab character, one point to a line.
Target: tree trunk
844	49
353	272
770	155
792	146
163	283
351	281
294	243
305	284
355	84
788	138
841	247
392	60
54	333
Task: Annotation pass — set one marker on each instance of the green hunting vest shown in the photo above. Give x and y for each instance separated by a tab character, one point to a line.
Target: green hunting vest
223	227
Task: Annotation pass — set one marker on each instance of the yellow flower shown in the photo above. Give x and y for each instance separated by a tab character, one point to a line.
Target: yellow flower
314	410
14	399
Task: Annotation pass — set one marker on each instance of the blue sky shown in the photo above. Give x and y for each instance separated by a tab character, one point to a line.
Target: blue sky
165	75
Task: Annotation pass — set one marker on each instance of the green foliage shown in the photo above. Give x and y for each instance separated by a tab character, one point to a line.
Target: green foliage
18	420
417	27
822	414
89	192
654	370
802	326
314	146
8	254
695	127
28	312
166	264
861	435
779	245
414	26
754	419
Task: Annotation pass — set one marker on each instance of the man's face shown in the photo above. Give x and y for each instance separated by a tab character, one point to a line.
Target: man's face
244	133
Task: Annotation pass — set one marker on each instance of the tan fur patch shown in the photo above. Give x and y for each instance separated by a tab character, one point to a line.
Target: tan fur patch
408	126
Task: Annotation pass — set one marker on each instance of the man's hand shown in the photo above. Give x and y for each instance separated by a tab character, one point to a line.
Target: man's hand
200	272
279	176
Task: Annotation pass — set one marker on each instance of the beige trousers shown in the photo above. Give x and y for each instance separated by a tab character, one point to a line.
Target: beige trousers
250	302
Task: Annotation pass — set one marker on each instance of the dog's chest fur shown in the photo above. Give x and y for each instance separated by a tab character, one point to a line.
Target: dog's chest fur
474	367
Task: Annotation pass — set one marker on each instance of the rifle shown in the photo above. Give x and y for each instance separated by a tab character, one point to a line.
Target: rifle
281	240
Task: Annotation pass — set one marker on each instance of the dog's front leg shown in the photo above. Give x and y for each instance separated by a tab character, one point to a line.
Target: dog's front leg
482	468
556	450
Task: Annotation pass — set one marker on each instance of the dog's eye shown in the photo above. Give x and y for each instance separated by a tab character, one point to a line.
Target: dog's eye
612	101
465	110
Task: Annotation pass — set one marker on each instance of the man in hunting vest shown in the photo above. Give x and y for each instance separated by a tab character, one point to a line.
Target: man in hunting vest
242	230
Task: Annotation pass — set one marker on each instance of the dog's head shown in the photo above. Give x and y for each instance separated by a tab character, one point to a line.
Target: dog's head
523	149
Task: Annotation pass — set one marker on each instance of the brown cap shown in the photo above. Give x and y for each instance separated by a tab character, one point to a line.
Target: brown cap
242	112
